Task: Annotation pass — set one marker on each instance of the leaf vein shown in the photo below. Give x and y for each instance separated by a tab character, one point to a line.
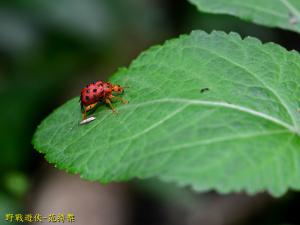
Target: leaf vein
275	120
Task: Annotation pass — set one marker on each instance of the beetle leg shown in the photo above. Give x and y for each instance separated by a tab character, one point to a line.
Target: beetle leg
107	101
88	108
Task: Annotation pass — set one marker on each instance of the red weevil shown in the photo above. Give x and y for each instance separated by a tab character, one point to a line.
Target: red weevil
98	92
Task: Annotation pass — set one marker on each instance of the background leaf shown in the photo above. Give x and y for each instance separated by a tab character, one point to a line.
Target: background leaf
243	133
279	13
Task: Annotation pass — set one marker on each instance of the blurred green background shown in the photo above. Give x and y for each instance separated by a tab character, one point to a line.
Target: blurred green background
50	49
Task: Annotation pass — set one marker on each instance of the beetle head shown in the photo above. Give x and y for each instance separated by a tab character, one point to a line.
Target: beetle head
117	88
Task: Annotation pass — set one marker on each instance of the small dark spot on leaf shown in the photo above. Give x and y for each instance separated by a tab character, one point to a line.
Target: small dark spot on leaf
204	90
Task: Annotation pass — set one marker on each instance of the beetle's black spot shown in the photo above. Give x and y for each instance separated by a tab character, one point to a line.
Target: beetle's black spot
95	90
87	91
87	98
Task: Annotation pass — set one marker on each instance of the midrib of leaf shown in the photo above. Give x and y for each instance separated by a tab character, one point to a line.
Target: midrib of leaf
216	104
292	8
186	103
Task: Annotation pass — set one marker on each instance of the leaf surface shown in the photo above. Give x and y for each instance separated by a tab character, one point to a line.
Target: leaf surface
273	13
241	132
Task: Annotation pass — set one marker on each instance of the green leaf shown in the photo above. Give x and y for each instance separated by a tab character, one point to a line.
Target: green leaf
273	13
241	134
